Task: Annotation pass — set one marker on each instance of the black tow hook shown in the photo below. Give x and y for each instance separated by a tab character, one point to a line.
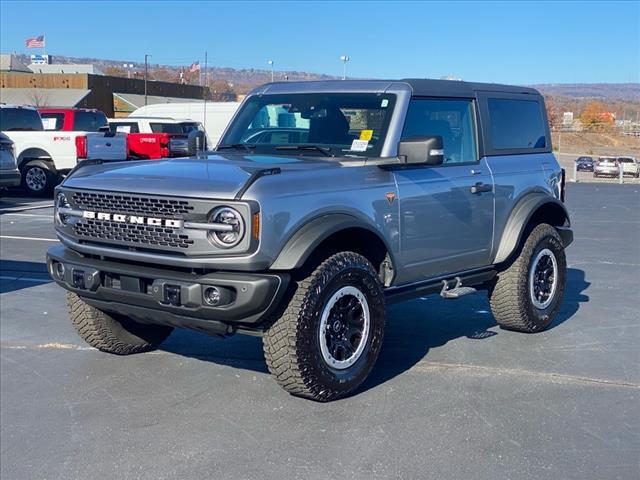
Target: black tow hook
78	279
172	295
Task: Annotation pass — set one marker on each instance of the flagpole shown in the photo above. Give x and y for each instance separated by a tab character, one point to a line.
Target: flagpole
204	116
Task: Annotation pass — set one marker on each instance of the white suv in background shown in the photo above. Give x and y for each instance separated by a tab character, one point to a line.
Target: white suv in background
629	166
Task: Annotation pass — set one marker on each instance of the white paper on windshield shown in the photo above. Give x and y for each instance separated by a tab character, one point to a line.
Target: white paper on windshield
123	128
49	123
384	103
359	145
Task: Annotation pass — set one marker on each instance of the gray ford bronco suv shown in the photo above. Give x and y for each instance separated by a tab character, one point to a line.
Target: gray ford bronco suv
323	202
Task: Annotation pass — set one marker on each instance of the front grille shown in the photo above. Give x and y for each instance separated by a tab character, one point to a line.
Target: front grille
132	204
131	235
139	235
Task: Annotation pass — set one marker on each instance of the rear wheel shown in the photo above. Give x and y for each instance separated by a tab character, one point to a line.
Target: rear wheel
39	179
113	333
527	293
329	337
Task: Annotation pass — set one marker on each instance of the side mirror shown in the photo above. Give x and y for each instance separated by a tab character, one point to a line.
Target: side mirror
427	150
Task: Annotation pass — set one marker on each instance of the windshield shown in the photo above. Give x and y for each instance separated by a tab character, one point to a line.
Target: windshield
337	124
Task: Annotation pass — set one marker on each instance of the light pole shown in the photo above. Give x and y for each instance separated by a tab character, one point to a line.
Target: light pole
128	67
344	59
146	57
270	62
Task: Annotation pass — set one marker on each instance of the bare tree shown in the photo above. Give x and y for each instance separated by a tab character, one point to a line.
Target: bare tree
39	98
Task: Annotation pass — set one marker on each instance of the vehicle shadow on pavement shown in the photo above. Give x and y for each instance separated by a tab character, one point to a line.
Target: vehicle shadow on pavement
418	326
16	197
239	351
413	328
12	271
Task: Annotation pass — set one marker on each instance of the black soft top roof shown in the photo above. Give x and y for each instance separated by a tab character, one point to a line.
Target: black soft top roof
454	88
419	87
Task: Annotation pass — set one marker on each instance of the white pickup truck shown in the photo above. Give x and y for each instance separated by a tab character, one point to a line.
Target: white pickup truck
43	157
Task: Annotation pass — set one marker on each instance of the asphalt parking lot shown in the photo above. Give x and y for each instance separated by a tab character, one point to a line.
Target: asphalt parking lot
452	396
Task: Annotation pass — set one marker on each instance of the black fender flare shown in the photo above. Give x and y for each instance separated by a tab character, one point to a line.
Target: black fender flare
519	218
35	155
307	238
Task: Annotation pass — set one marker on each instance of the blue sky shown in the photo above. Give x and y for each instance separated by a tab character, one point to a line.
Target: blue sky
509	42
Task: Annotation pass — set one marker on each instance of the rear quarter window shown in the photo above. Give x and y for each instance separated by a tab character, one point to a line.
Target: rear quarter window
516	124
89	121
20	119
166	128
124	127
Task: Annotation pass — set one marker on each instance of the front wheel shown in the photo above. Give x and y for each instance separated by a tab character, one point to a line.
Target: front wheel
328	339
527	294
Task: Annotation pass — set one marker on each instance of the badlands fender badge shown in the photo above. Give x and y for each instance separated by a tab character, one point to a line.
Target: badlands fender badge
390	196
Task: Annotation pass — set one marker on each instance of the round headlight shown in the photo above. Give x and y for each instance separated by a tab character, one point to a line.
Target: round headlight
61	202
233	235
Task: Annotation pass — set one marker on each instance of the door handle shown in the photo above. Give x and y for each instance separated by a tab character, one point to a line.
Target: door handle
480	187
476	172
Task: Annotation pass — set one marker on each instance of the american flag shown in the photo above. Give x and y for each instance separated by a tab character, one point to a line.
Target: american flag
195	67
35	42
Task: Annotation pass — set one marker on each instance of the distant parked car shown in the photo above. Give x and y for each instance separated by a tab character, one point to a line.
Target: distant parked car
629	166
606	167
215	116
584	164
156	137
9	173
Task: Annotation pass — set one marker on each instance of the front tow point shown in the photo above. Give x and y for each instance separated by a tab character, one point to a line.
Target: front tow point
172	295
78	279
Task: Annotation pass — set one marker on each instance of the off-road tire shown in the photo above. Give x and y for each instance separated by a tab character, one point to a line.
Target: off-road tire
510	299
111	333
292	345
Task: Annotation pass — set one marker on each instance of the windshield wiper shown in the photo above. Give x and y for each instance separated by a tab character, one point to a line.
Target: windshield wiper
326	151
236	146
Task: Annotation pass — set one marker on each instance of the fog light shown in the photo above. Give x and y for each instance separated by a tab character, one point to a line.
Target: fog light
212	296
60	270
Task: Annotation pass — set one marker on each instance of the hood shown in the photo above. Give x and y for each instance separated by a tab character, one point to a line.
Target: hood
215	176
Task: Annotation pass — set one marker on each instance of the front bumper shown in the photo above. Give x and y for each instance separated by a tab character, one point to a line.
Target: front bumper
607	171
172	297
10	178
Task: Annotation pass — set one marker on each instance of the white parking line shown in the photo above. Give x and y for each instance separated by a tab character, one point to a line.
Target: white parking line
24	209
25	279
30	238
50	217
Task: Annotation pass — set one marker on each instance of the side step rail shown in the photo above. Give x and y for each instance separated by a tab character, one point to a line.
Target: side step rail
448	286
457	291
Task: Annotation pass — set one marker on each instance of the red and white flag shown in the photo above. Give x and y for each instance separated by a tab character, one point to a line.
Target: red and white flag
35	42
195	67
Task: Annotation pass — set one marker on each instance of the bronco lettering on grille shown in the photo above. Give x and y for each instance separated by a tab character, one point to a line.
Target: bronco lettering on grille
132	219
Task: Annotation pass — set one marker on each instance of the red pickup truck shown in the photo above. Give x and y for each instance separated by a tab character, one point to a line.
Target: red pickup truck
152	138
